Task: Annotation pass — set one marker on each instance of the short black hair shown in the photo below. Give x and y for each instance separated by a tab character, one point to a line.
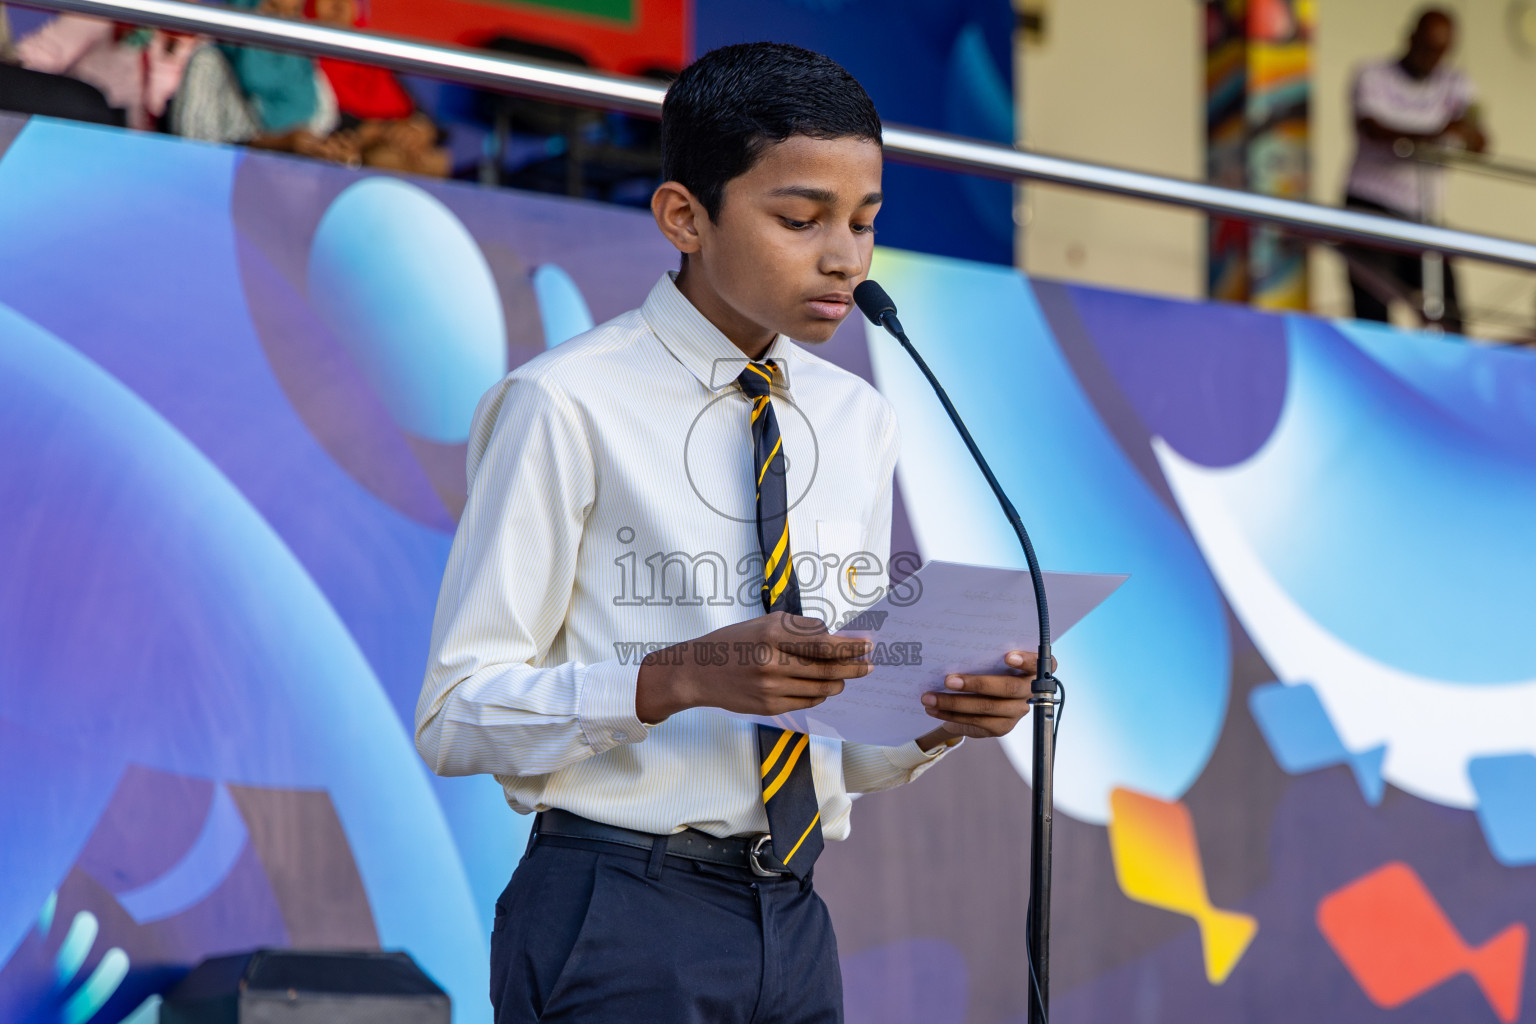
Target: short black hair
733	102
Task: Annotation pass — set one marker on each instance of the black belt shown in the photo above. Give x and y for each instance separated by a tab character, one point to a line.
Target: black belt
752	853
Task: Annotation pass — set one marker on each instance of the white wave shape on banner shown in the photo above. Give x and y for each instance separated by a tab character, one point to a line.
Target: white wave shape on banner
1431	727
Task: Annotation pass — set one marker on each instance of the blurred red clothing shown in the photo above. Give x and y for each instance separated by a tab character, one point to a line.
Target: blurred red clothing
369	93
372	94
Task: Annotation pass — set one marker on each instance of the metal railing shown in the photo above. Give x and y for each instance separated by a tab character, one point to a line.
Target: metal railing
1433	159
1507	168
584	88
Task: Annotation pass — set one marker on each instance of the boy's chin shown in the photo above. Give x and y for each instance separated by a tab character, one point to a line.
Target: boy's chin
815	331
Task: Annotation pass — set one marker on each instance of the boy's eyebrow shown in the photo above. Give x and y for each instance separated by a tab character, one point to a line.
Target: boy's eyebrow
821	195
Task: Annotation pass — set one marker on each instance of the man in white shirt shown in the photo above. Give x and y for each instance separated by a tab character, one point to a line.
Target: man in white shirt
639	497
1399	106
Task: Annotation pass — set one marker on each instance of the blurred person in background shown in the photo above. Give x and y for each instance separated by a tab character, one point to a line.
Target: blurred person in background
261	98
1402	105
138	70
381	118
28	92
7	51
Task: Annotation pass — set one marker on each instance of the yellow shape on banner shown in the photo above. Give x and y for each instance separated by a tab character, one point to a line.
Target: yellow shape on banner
1158	863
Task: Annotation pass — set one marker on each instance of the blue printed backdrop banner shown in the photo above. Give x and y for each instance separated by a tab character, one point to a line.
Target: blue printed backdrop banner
1297	762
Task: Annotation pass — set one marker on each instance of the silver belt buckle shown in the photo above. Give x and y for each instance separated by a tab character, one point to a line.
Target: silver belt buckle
754	852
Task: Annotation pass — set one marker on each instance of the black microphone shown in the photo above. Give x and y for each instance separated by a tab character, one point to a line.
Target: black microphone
873	301
1043	700
877	305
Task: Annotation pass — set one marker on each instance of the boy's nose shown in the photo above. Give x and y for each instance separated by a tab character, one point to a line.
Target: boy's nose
842	254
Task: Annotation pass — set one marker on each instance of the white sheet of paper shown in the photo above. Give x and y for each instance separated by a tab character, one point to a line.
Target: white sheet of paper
956	618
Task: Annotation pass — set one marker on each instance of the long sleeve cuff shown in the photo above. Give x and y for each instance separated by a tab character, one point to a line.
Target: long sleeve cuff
911	757
869	769
605	705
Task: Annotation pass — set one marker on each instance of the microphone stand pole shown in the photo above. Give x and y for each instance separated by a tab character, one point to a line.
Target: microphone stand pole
1043	699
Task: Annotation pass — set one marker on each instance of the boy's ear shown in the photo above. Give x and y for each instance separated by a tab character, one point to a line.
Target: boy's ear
678	214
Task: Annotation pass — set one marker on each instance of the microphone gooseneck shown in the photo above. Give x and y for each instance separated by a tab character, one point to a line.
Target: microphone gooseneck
875	304
1044	702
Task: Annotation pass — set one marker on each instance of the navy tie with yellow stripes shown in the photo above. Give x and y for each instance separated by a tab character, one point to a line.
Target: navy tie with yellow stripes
789	792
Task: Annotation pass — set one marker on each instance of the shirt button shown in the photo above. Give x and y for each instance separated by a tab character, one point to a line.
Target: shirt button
618	737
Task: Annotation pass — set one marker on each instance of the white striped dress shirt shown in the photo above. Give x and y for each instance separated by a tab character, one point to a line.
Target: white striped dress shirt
611	512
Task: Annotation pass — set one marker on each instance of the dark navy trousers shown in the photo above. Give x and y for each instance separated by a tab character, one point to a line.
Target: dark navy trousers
584	933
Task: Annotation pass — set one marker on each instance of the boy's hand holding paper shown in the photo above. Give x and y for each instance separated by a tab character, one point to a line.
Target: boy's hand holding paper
938	623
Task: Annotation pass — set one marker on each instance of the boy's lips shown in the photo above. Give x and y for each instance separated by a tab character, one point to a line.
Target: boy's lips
834	306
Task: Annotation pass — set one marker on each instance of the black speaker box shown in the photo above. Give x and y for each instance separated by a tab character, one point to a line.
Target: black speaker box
289	986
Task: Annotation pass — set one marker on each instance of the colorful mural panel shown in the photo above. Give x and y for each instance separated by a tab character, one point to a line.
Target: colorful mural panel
1258	88
234	390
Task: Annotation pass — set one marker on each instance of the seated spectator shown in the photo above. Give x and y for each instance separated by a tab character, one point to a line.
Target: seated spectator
387	128
33	92
7	51
262	98
136	69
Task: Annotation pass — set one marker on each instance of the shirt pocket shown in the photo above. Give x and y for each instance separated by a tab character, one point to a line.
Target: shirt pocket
838	542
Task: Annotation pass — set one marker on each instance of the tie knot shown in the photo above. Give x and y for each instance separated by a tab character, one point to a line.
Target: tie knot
754	380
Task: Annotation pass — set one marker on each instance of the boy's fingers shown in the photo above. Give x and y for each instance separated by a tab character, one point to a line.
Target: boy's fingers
1028	661
800	687
969	704
793	704
976	725
828	670
989	686
802	626
826	650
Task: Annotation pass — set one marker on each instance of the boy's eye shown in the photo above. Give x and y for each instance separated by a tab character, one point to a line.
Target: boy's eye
797	225
864	229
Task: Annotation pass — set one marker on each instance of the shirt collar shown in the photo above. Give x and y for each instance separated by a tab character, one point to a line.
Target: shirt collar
699	345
